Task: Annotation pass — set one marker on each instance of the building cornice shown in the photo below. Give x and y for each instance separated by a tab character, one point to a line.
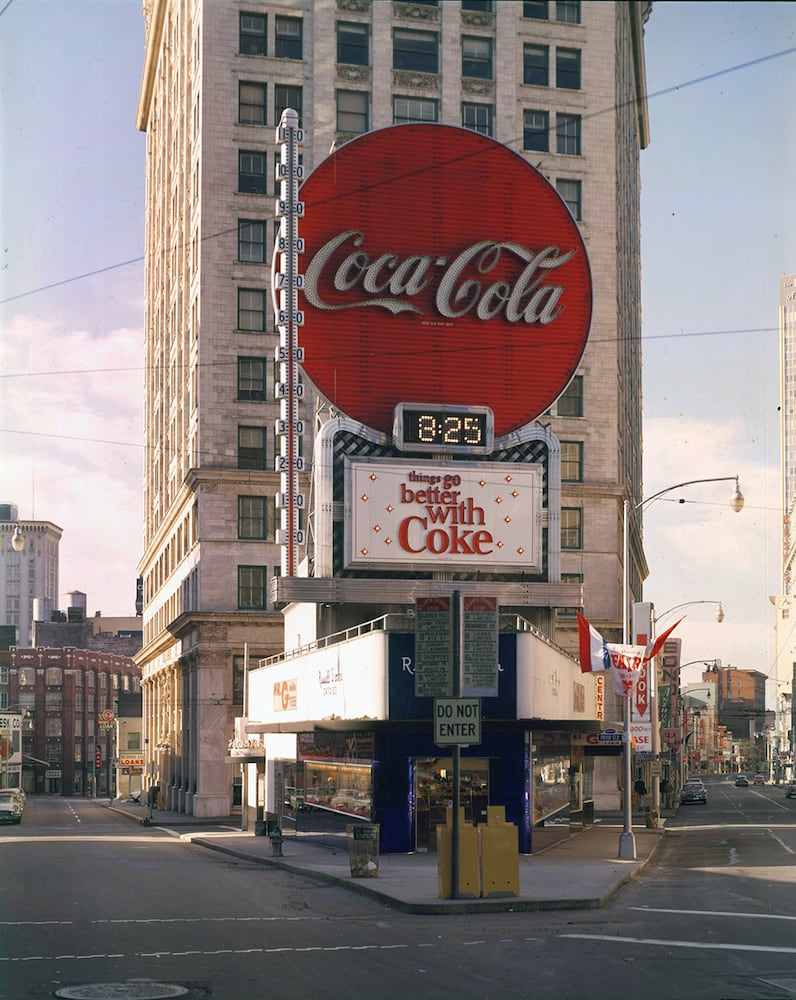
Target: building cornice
154	32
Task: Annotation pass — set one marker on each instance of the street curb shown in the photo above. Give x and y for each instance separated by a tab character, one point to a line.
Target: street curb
366	887
513	904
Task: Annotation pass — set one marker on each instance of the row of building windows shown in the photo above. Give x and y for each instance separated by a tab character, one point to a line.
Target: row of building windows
253	175
253	439
353	118
54	677
409	50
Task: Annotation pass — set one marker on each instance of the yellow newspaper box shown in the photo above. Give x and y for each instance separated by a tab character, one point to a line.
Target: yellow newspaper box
500	854
468	858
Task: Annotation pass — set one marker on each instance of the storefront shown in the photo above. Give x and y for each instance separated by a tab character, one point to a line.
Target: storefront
364	747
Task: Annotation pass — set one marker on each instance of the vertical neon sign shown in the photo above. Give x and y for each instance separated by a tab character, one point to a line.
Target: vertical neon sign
285	285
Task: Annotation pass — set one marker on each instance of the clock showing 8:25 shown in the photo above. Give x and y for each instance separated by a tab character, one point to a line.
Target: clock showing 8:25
457	430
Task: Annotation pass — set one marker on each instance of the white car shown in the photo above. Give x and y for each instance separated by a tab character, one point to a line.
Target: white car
10	806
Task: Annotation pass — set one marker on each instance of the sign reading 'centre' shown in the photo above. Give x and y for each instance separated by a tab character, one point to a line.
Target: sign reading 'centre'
439	267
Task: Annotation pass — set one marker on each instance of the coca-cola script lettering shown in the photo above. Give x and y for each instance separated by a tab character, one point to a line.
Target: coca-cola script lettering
462	284
439	267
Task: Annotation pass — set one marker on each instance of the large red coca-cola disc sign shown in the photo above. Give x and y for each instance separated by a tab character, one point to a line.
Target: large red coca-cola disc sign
439	267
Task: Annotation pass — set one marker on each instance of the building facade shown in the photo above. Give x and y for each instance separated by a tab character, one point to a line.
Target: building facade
561	83
28	570
784	676
68	701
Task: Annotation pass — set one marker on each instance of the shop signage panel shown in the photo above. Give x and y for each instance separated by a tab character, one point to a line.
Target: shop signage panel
450	269
405	705
342	681
433	647
641	736
475	515
480	646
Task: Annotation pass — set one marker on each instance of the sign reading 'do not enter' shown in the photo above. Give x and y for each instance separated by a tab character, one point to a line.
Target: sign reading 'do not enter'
457	721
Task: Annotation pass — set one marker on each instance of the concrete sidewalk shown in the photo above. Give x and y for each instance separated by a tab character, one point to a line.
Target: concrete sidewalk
581	872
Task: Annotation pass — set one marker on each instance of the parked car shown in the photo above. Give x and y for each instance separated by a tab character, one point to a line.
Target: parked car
10	807
790	789
759	779
16	794
741	781
694	791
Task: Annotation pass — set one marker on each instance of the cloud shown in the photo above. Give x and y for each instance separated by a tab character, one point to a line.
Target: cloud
702	550
71	434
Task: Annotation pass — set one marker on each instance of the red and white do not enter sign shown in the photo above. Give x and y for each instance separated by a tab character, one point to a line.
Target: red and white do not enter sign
439	267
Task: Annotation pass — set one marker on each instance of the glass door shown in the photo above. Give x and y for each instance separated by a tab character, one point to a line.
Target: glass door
433	793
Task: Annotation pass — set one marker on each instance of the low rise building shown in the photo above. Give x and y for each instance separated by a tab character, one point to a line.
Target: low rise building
69	702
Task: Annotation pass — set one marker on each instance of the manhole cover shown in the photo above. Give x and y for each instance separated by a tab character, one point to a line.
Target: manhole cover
136	989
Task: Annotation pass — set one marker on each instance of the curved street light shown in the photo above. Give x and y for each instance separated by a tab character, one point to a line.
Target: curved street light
627	840
687	604
18	540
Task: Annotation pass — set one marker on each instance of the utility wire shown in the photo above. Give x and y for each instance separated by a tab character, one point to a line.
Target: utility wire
517	142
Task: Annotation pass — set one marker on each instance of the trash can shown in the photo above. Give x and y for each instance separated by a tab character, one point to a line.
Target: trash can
500	855
363	849
469	884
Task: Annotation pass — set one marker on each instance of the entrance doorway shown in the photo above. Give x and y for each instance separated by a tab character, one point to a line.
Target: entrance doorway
433	793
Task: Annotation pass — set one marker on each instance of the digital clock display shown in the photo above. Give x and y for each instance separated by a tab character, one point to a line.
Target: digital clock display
457	430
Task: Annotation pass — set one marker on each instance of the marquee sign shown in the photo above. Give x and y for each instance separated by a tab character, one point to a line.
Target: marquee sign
439	268
469	515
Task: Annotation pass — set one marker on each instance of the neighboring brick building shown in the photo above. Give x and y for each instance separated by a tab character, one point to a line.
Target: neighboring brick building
63	694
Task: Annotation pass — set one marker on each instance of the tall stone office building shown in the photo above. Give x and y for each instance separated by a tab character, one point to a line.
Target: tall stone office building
28	574
562	83
785	603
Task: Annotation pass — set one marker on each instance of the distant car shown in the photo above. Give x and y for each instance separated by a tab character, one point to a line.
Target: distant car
790	790
741	781
10	809
759	779
694	791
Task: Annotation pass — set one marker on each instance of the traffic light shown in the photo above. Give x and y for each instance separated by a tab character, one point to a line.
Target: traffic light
98	757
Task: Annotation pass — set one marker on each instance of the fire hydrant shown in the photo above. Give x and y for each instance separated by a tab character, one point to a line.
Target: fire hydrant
276	842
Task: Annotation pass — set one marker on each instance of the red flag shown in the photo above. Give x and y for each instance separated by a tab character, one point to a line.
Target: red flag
655	648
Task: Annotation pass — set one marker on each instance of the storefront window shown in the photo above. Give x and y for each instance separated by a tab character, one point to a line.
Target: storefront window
551	781
344	788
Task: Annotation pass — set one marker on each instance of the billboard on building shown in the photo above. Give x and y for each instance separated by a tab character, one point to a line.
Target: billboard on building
439	267
431	515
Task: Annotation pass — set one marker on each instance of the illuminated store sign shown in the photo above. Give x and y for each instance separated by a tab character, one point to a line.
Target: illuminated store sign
439	267
471	515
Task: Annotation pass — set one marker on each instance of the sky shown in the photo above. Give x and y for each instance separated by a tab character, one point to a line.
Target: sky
717	222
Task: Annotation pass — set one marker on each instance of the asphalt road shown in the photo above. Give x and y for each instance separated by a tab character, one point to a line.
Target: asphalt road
86	897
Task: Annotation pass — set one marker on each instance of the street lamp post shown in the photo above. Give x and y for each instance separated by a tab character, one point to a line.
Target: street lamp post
627	841
147	784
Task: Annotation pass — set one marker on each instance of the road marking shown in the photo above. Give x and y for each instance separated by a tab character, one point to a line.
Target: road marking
781	842
713	913
698	945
